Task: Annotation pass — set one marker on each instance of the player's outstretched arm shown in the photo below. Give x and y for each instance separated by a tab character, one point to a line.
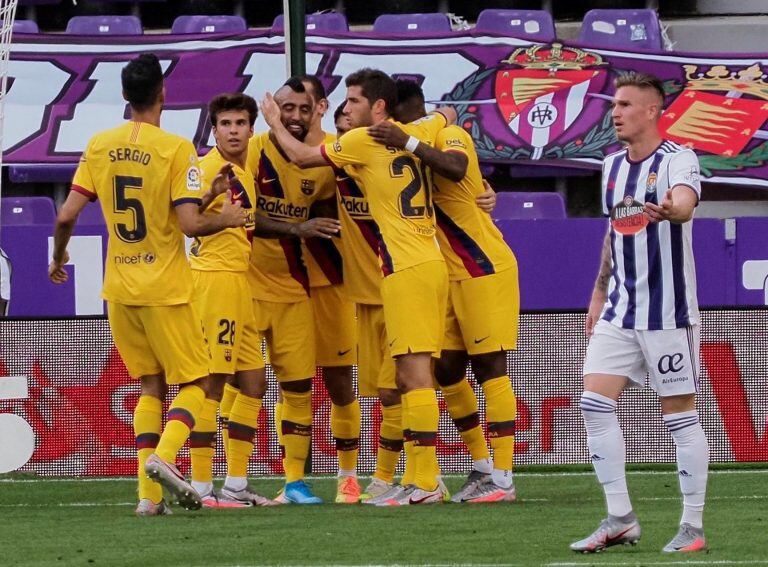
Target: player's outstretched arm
193	223
677	205
319	227
600	292
298	152
62	232
451	165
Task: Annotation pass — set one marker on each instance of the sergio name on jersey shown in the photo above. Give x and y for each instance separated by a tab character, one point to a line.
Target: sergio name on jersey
284	192
230	249
471	243
398	188
139	173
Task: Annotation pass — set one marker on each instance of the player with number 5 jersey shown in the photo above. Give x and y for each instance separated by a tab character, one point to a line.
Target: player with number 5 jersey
148	183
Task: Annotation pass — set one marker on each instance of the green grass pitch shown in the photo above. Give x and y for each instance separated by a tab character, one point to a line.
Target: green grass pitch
78	522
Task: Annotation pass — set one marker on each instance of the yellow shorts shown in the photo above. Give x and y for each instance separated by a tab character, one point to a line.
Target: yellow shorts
290	333
222	300
415	302
375	366
160	339
483	313
334	318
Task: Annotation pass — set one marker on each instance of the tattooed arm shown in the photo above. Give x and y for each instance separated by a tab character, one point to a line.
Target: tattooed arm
600	292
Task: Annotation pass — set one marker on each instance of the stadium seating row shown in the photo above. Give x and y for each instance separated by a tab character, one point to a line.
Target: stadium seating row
637	29
17	211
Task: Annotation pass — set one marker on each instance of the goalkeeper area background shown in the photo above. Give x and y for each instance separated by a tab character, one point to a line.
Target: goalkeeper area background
81	399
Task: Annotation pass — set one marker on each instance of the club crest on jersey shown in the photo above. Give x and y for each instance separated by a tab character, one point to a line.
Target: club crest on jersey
307	186
650	185
627	217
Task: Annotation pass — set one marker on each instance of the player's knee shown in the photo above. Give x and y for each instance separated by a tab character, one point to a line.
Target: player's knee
252	383
489	365
215	387
451	367
153	386
338	382
297	386
677	404
389	397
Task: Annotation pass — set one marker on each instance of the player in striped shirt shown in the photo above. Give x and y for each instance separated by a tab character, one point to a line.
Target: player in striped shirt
643	316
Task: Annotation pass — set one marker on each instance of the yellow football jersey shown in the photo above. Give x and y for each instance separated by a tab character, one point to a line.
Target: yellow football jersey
360	239
140	173
470	242
398	188
283	192
230	249
322	256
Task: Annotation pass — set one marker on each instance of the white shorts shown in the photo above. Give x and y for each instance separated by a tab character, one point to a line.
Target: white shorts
669	357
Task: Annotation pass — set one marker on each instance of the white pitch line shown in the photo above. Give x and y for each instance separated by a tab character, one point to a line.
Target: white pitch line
67	504
329	476
644	563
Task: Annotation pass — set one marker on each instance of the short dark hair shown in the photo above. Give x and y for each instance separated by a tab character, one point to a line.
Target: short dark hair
295	84
338	112
232	101
142	80
408	89
641	81
318	89
375	85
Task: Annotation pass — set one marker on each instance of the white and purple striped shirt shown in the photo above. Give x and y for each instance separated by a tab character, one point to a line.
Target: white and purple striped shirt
653	278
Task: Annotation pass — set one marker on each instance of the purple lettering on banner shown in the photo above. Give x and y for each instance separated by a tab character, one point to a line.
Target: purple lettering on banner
520	101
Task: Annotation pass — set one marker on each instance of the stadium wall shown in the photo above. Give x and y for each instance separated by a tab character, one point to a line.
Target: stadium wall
81	399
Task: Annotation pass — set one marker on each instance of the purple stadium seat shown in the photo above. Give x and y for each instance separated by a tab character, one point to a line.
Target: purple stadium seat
208	24
634	29
42	173
91	214
25	26
535	25
27	210
321	21
412	23
104	25
37	2
513	205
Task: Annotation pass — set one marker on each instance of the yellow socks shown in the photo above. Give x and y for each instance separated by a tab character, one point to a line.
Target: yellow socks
390	442
297	432
147	425
422	419
501	410
462	405
185	408
225	408
243	420
202	443
409	474
279	426
345	428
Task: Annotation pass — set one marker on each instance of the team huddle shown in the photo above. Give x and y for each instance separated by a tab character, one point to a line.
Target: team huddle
370	247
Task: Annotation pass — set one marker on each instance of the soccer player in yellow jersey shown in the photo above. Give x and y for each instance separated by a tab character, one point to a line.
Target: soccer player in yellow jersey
334	316
279	280
222	299
362	283
415	286
483	304
148	183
